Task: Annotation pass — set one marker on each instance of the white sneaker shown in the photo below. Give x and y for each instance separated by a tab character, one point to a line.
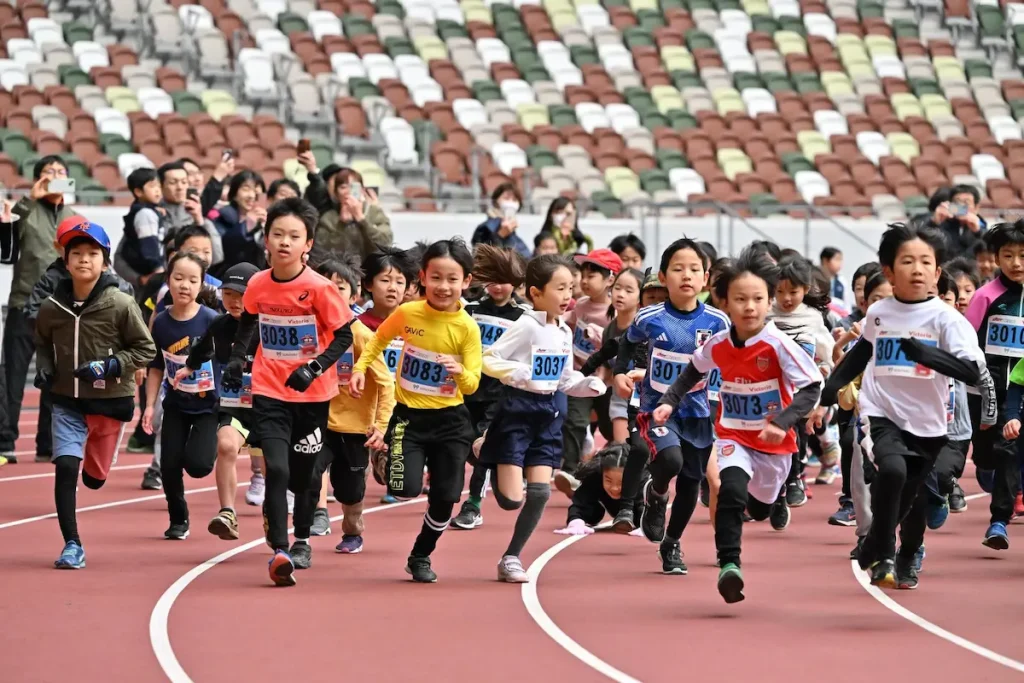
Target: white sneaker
291	502
257	489
566	483
510	570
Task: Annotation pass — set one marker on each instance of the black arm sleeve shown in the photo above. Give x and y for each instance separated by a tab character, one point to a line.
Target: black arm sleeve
586	502
246	328
204	348
803	402
9	244
211	195
942	362
849	368
627	351
342	340
317	194
686	381
601	356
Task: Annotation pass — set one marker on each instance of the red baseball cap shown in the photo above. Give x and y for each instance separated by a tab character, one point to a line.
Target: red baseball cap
67	225
603	258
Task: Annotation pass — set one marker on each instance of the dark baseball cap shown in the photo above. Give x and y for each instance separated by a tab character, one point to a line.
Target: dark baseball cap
237	277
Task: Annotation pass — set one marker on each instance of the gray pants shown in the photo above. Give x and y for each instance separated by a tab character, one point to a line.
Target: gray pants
860	491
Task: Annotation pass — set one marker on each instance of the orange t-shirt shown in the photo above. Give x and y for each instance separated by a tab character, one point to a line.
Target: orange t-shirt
298	319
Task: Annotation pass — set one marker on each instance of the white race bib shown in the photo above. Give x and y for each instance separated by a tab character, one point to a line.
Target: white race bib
890	360
238	399
392	353
749	406
1005	336
546	367
288	337
422	374
344	367
491	328
199	381
666	367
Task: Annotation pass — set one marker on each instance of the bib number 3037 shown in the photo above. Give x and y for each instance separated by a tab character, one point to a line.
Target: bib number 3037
288	337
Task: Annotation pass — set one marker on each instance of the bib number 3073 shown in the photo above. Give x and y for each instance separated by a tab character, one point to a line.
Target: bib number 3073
749	406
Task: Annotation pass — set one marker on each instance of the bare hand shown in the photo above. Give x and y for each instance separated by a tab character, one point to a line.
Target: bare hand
1011	430
354	207
147	420
623	385
972	222
943	213
771	434
40	189
661	414
815	419
375	440
258	214
453	366
224	169
180	376
194	209
356	384
6	213
309	162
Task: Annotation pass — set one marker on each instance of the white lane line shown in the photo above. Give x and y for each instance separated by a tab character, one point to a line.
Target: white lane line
158	636
533	606
115	468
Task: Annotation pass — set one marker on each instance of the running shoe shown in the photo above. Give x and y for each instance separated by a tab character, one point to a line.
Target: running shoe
419	568
652	521
566	483
1018	506
919	559
350	545
177	531
290	497
469	517
827	476
388	499
135	445
796	493
938	512
510	570
671	558
72	557
883	573
906	575
856	549
705	492
10	457
225	525
321	523
151	480
623	523
808	490
3	461
302	554
957	500
43	457
996	537
779	515
730	583
282	570
846	515
257	490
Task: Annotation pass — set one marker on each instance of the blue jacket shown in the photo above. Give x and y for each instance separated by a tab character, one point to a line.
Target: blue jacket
487	233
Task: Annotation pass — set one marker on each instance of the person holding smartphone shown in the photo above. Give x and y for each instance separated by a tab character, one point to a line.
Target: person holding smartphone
499	229
954	211
358	225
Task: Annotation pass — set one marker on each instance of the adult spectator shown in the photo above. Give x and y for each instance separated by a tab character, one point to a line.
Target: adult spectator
27	234
282	188
183	205
241	221
499	229
321	191
210	190
954	212
630	249
357	225
561	222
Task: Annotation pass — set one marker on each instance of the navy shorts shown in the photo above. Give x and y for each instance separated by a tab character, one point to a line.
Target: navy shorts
669	435
526	431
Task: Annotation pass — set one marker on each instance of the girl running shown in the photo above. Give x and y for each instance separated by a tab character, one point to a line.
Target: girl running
533	360
440	362
625	304
188	437
768	384
600	492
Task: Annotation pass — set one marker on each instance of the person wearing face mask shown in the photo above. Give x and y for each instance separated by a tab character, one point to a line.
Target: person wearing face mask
499	229
241	220
357	224
561	222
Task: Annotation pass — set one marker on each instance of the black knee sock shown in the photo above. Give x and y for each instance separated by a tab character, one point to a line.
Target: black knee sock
275	502
683	506
666	464
65	483
634	471
537	495
435	521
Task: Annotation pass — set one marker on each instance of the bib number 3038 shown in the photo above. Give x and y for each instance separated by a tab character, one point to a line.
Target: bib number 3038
749	406
1005	336
890	361
288	337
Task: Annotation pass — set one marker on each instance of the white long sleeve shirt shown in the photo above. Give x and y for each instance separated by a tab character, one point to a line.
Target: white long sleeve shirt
536	356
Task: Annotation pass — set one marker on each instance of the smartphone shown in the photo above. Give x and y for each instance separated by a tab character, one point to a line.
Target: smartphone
192	193
959	209
303	146
227	155
356	190
62	185
375	190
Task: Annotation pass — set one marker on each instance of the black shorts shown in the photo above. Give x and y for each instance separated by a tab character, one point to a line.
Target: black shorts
348	459
481	414
301	425
439	439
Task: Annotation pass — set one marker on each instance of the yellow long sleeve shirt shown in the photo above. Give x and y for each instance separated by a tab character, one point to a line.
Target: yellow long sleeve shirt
355	415
422	382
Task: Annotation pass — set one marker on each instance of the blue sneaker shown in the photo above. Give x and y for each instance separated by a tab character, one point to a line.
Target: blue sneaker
845	515
986	479
388	499
73	557
996	537
938	512
918	558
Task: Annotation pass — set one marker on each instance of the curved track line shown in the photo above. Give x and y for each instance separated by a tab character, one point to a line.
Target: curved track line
541	618
159	638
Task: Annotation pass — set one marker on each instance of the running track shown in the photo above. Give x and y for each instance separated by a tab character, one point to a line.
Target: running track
598	611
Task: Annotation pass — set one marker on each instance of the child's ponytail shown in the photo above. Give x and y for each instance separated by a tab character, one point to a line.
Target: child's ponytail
612	456
496	266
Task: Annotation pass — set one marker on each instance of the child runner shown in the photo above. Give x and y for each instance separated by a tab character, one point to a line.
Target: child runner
600	492
235	411
912	344
90	339
440	363
625	304
768	384
532	360
679	446
494	314
303	330
188	437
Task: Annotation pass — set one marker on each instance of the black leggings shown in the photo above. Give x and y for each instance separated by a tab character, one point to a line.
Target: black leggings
686	468
733	499
639	454
188	443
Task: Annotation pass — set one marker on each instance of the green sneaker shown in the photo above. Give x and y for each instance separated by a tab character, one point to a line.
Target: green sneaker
730	583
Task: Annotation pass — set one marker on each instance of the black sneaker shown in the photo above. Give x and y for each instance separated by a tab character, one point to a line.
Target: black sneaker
957	501
796	493
652	521
302	555
321	523
469	517
855	553
419	569
705	493
671	558
906	575
177	531
624	523
779	516
883	573
151	480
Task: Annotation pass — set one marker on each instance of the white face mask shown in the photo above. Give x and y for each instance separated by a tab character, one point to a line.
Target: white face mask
509	208
557	219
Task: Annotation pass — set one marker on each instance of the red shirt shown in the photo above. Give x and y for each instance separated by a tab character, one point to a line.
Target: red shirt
298	319
369	319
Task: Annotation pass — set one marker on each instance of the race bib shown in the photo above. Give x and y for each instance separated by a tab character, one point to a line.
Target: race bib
422	374
890	360
749	406
199	381
288	337
714	384
344	366
546	367
1005	336
241	398
581	345
392	353
491	328
666	367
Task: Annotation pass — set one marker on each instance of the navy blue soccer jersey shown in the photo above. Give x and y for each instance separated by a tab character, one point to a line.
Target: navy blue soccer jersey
673	336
